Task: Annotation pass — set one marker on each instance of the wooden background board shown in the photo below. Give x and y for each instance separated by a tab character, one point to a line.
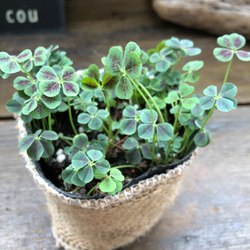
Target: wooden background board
211	212
91	31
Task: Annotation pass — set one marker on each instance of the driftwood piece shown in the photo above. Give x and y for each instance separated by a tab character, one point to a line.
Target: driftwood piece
215	16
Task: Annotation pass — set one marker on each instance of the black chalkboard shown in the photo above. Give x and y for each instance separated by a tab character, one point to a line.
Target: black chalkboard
22	16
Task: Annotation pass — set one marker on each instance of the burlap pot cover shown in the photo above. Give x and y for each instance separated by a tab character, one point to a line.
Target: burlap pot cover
112	221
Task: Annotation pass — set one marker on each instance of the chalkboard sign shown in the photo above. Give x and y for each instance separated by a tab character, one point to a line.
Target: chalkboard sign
22	16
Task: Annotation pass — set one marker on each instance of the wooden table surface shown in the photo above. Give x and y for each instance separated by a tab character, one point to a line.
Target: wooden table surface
213	208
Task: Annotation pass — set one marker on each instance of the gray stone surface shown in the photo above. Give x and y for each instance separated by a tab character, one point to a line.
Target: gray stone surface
214	16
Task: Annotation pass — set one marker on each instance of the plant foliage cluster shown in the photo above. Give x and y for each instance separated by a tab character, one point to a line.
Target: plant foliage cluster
139	103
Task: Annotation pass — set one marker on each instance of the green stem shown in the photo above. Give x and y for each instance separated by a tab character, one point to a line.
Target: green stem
66	139
227	71
212	109
176	117
186	137
153	150
168	152
116	134
203	125
70	117
26	72
109	122
178	60
143	96
128	166
44	125
93	188
49	121
152	100
105	128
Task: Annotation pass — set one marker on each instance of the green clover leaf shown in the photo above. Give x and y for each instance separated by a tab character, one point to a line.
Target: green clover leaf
190	67
129	124
164	131
38	145
184	46
94	117
231	45
124	67
51	83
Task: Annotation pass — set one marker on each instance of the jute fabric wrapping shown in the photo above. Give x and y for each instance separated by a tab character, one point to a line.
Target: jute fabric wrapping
112	221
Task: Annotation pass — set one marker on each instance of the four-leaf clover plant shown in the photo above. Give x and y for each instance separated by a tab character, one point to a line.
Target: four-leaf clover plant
140	111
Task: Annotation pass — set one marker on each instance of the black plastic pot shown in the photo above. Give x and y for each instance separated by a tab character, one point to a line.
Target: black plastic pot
148	174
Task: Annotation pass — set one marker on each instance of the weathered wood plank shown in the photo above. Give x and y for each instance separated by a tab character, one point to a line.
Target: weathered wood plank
79	11
211	212
87	41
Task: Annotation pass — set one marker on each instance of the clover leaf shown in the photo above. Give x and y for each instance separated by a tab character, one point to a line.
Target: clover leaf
91	81
190	67
39	59
113	183
172	97
184	46
124	66
107	185
231	45
133	154
224	101
94	117
129	124
38	145
202	138
80	142
147	129
51	83
38	105
15	105
83	166
12	64
160	59
164	131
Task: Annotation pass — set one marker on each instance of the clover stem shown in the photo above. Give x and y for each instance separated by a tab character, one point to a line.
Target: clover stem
168	152
178	60
109	122
186	137
143	96
152	100
177	115
105	128
93	188
203	125
70	117
227	71
49	121
116	134
128	166
153	149
26	72
66	139
44	125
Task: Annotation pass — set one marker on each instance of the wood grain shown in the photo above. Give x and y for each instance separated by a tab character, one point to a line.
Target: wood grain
91	31
211	212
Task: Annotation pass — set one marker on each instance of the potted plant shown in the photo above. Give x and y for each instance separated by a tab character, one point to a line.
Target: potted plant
110	145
